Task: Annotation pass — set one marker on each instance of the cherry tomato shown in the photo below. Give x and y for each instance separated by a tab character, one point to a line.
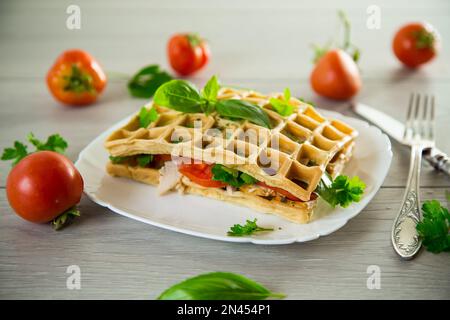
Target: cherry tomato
187	53
43	185
336	76
283	192
200	174
76	78
415	44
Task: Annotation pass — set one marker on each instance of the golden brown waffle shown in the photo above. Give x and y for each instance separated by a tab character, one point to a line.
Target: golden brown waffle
293	155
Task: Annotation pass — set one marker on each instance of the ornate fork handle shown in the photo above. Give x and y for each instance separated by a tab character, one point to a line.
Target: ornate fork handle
405	238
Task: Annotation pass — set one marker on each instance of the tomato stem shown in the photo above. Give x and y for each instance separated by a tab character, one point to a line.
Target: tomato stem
424	39
79	81
65	218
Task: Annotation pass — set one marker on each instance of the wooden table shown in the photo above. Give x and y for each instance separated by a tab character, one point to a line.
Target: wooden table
263	45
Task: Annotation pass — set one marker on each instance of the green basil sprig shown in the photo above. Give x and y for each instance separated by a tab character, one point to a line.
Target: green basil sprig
218	286
183	96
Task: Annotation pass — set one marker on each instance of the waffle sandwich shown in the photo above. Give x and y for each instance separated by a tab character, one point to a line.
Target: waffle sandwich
275	170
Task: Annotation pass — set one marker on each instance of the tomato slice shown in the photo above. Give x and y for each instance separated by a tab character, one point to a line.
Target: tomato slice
200	173
285	193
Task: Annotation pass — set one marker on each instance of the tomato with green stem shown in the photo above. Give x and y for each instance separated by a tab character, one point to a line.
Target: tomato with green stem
76	78
43	186
187	53
415	44
335	74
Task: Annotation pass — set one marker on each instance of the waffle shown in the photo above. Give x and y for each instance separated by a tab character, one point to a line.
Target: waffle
292	155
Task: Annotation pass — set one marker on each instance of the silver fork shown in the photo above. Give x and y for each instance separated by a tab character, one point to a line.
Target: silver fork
419	134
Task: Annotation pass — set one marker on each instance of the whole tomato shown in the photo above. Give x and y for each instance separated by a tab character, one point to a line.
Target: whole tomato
336	76
187	53
76	78
415	44
43	185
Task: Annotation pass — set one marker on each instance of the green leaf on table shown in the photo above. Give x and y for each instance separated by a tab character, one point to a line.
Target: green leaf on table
341	191
249	228
233	177
17	153
218	286
145	83
54	143
147	116
179	95
283	106
240	109
435	227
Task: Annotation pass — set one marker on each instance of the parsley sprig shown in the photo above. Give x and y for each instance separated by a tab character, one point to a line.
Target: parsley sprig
342	191
283	106
435	227
249	228
19	151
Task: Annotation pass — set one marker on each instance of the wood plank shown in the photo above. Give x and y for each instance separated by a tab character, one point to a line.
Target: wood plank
121	258
264	40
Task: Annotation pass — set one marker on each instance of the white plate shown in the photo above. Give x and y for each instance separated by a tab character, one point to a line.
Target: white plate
208	218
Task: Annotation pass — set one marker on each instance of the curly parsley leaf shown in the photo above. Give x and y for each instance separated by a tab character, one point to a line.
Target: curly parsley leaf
17	153
435	227
147	116
65	218
282	106
249	228
145	83
342	191
54	143
233	177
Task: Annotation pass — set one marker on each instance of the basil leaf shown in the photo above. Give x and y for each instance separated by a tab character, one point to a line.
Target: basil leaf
147	80
211	89
243	110
144	159
233	177
218	286
147	116
117	160
179	95
281	107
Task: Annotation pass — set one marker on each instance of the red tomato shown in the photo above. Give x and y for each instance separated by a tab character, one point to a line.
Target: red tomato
43	185
200	174
187	53
283	192
336	76
76	78
415	44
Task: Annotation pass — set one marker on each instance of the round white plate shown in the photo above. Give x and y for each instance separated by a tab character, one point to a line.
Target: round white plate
208	218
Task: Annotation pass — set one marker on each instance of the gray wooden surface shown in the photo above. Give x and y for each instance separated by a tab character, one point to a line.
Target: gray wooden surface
264	45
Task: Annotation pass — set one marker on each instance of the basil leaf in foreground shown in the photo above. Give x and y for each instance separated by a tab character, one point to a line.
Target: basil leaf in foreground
179	95
435	227
249	228
341	191
211	89
218	286
243	110
145	83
